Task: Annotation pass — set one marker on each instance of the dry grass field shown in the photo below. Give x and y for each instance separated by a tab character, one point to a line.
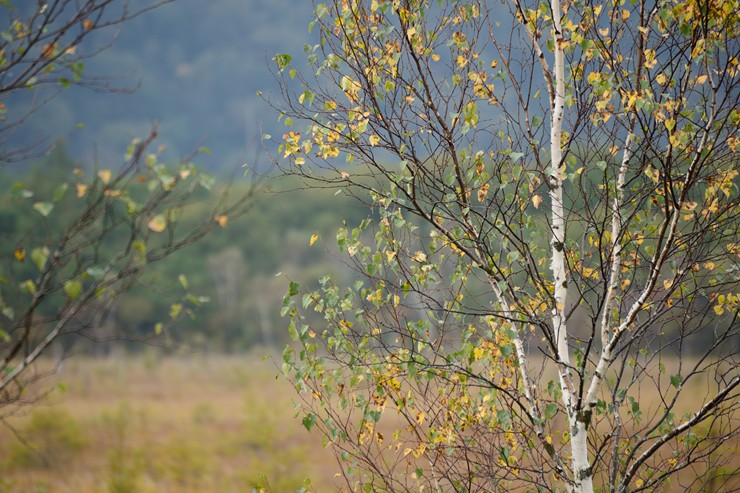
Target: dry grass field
172	425
169	425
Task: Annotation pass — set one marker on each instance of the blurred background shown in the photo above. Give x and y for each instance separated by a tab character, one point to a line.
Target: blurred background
200	408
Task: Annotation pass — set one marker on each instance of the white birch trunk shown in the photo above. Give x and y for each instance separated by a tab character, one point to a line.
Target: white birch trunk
582	474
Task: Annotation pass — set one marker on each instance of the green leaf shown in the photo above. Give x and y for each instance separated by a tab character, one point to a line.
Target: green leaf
77	69
308	421
60	192
282	60
43	208
676	381
512	256
550	410
95	272
73	289
19	191
293	289
175	310
28	286
140	247
40	256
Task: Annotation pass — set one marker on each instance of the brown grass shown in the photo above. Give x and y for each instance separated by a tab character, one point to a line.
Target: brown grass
164	425
174	425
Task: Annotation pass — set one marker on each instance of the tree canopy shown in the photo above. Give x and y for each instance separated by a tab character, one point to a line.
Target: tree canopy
548	299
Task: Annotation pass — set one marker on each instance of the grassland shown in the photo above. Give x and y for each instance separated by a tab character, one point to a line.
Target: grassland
176	425
153	424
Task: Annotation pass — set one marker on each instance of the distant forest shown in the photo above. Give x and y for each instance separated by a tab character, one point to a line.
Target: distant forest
201	72
193	67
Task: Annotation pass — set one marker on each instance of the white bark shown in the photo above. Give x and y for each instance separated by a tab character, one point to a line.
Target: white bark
582	474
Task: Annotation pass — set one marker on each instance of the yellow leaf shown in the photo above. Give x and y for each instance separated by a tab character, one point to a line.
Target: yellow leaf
536	201
313	239
719	310
87	24
593	77
374	140
435	57
698	49
20	254
222	220
420	417
661	79
104	175
81	189
420	257
158	223
667	284
701	79
482	192
589	272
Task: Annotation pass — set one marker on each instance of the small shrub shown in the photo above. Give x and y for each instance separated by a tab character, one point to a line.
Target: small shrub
124	464
51	437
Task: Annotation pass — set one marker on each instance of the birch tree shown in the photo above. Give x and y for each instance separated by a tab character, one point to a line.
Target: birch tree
547	286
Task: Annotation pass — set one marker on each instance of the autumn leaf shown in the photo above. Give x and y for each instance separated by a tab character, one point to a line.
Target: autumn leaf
104	175
536	201
313	239
48	50
20	254
482	192
158	223
43	208
222	220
